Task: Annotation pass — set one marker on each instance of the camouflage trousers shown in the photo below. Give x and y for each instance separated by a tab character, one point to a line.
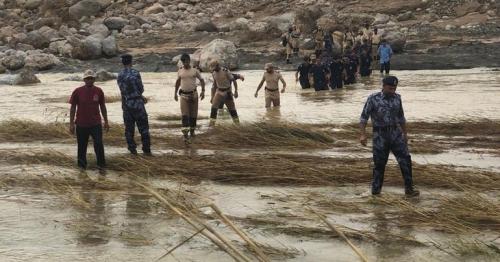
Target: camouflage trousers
132	117
387	140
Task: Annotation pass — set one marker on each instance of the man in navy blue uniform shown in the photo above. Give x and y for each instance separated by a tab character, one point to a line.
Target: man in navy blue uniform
385	109
133	105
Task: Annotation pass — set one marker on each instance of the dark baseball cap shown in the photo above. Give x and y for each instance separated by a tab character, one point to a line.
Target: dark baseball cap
390	80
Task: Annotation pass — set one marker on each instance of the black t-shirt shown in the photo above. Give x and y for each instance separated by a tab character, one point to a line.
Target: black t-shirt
304	70
319	72
336	68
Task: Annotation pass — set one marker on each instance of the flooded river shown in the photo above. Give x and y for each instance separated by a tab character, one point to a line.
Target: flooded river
38	225
427	96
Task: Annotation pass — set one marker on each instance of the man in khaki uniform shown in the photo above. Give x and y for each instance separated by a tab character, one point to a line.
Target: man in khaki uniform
319	40
185	86
272	78
375	43
221	92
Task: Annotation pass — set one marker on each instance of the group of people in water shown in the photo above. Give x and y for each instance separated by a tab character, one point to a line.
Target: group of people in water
336	63
88	103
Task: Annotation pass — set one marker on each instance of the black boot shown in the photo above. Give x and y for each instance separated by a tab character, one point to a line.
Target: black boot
412	192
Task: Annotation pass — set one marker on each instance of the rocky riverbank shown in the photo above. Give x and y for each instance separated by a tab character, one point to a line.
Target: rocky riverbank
68	36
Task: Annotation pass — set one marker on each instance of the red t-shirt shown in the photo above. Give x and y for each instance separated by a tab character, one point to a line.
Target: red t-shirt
87	101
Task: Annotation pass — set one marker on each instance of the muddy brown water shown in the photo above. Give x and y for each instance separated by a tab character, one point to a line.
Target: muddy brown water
39	225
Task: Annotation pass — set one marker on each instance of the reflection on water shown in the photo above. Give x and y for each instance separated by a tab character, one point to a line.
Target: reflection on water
427	95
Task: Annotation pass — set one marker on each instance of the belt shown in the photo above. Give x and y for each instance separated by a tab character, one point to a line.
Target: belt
385	128
186	93
271	90
223	89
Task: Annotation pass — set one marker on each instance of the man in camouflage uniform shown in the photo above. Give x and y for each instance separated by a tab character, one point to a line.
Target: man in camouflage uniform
134	111
389	134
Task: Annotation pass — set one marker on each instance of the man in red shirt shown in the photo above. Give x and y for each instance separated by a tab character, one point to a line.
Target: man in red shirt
85	102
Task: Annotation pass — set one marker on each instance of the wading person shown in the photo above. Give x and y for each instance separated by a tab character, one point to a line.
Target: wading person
385	109
336	73
185	87
319	75
302	74
351	68
271	78
88	102
385	54
222	93
365	61
133	105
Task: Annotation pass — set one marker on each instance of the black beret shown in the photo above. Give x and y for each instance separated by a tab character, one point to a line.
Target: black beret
390	80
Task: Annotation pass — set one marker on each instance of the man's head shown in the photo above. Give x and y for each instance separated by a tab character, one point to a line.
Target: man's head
269	68
215	66
306	59
313	59
126	60
89	78
186	60
383	41
389	85
375	30
290	29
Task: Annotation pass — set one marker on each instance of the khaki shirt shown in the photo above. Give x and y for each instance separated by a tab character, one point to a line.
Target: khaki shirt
188	78
375	39
272	80
223	78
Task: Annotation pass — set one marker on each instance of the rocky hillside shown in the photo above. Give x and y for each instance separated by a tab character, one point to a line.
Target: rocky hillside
71	34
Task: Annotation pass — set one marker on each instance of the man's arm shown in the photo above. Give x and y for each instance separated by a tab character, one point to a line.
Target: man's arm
260	86
104	113
365	115
202	83
284	84
138	83
297	74
177	86
402	121
72	112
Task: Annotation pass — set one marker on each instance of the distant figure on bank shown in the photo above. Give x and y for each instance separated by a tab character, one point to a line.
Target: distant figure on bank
185	86
271	78
375	42
86	102
302	74
385	54
318	40
133	106
288	44
222	93
385	109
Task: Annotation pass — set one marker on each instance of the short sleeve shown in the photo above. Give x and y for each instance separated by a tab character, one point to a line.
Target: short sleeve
102	98
73	100
367	109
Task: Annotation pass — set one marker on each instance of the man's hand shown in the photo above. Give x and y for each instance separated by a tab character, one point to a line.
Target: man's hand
72	128
405	136
202	95
256	94
145	99
176	97
106	126
235	94
363	139
283	90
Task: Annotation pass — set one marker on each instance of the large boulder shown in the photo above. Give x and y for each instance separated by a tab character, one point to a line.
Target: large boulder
154	9
207	26
103	76
37	39
41	61
32	4
109	46
396	39
282	22
221	50
239	24
61	47
85	8
88	48
26	77
99	30
115	23
467	7
14	61
381	19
